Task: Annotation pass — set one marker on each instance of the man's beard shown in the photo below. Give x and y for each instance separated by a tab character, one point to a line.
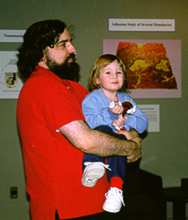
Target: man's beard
65	70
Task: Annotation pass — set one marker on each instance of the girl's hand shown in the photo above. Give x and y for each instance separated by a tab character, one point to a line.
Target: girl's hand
117	110
129	134
120	121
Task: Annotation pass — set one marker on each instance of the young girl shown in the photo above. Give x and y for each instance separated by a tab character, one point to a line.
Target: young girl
108	107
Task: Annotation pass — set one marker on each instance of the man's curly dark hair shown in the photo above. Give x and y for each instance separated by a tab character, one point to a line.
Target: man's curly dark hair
37	37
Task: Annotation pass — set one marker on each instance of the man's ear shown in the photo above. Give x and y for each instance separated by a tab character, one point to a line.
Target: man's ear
42	61
44	55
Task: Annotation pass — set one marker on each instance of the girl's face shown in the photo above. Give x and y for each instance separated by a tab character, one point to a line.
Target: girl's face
111	78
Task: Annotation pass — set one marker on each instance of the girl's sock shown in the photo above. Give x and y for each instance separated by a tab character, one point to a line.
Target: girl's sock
116	182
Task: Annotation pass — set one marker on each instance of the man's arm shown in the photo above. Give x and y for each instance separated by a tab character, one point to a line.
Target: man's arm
101	144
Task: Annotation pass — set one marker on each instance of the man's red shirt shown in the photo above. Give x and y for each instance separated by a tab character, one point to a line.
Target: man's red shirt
53	167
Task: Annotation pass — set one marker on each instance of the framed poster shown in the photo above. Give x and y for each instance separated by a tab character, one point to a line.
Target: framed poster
10	84
153	66
153	114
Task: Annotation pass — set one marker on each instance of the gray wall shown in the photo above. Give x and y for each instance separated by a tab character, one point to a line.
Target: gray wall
164	153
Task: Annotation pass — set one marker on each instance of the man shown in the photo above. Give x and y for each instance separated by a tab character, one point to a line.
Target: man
53	132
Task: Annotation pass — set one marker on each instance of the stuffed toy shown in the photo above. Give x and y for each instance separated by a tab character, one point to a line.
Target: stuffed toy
128	109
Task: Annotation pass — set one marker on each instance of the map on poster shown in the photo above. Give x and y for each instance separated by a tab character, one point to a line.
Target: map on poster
10	84
153	67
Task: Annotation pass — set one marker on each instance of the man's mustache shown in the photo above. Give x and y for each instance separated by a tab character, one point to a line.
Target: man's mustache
72	56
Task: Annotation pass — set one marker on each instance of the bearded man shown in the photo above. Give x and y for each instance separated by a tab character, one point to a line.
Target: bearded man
53	131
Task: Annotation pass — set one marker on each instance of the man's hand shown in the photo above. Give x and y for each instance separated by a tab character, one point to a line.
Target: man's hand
136	154
133	136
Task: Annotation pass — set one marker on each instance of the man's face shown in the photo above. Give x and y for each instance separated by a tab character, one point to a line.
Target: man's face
62	49
61	58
